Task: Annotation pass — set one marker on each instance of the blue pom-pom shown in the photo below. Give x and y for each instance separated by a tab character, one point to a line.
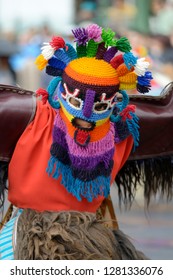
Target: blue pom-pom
145	80
129	60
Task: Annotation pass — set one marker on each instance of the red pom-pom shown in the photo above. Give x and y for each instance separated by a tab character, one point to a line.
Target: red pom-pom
57	42
43	93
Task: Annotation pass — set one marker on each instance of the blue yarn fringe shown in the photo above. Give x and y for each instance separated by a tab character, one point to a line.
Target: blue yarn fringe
88	190
132	124
121	106
114	118
51	90
133	127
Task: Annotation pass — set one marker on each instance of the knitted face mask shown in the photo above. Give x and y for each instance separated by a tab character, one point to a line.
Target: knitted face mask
87	104
89	120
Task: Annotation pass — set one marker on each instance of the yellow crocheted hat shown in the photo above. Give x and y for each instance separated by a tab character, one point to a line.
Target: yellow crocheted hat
99	59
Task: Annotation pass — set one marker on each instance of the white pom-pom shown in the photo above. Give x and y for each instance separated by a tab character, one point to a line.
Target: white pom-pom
141	66
47	51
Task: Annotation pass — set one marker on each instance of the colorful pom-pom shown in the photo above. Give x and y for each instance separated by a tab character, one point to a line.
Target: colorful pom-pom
81	36
43	93
141	66
41	62
145	80
123	45
108	37
57	42
94	32
47	51
129	60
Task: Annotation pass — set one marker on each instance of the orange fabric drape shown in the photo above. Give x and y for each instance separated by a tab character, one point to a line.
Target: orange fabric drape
29	184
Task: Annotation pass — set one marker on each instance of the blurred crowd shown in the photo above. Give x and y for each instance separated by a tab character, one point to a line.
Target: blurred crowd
147	23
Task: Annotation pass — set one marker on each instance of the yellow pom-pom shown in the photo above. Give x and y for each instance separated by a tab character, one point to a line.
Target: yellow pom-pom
41	62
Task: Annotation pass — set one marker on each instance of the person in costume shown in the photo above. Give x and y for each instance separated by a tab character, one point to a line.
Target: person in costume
67	158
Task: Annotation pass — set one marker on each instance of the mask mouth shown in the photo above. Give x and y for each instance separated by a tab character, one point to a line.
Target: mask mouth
83	124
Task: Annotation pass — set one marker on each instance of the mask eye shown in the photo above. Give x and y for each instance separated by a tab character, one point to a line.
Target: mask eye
100	107
77	103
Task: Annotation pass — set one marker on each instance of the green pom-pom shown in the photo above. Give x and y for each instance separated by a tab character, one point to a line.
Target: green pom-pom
123	45
81	51
108	37
92	48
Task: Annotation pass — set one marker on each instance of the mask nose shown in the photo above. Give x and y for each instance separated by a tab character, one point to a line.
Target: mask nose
88	104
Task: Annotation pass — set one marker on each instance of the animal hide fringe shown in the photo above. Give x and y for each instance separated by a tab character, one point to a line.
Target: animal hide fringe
155	175
70	236
3	180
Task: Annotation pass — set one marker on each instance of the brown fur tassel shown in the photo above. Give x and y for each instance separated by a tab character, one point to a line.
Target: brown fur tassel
3	179
155	175
69	236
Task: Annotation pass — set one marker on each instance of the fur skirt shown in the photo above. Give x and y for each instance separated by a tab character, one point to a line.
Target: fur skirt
70	236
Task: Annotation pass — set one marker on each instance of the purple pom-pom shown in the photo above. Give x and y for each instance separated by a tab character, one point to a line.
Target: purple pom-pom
94	32
81	36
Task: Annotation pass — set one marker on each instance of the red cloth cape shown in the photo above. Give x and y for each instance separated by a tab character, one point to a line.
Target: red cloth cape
29	184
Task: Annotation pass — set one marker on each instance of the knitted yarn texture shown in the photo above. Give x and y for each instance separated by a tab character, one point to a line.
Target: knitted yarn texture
90	121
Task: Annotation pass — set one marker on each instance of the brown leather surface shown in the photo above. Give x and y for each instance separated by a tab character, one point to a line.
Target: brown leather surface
156	124
17	109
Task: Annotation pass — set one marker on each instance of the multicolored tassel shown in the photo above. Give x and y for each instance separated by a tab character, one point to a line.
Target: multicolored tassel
48	51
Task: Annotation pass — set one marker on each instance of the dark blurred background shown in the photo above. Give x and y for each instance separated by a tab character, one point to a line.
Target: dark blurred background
25	25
